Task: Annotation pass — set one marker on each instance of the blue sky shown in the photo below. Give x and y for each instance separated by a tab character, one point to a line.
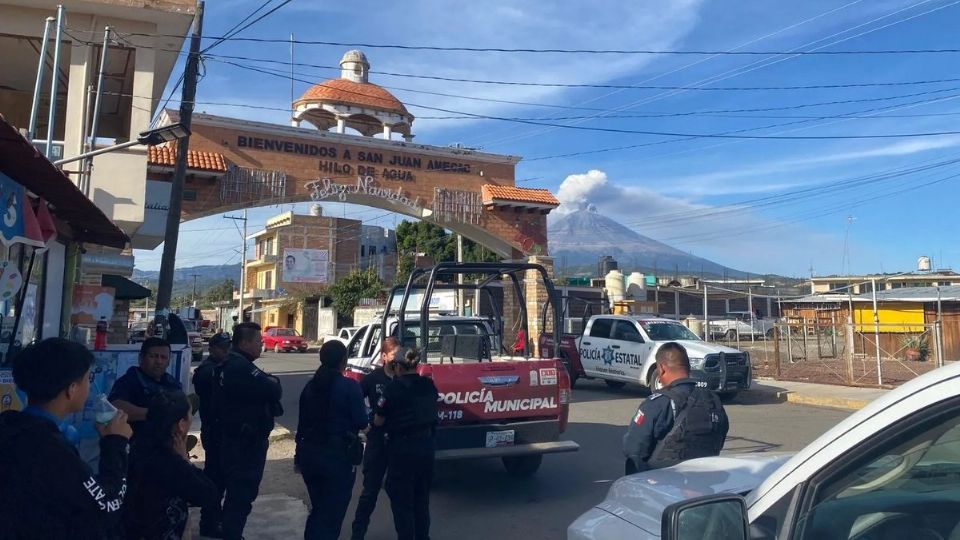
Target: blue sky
757	205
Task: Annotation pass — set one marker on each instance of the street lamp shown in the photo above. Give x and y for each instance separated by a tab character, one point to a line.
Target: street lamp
151	137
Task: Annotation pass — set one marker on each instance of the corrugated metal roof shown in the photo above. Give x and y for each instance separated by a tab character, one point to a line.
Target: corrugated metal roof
948	293
823	299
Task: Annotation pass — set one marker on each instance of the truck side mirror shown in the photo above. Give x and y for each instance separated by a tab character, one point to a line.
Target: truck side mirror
722	516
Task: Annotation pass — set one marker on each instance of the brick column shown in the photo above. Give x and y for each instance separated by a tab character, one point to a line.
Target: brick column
536	293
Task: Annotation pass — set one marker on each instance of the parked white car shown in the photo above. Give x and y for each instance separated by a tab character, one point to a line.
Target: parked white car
742	324
344	334
889	471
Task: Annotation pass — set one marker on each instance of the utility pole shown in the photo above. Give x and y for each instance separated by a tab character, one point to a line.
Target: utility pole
169	258
243	261
460	276
195	276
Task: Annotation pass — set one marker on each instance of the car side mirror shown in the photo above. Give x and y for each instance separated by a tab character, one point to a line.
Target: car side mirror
722	516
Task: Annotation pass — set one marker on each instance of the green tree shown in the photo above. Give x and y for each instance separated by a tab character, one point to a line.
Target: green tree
348	290
435	242
222	292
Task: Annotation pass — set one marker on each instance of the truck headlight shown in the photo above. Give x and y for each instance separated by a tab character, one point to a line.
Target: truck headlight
697	363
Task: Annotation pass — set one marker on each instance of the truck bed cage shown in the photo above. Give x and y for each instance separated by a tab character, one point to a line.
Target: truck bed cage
431	277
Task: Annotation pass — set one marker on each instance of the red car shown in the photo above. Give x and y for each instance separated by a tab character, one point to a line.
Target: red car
283	339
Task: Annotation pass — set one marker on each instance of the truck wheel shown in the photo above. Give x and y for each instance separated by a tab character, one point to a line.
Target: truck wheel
653	381
522	466
731	335
770	334
727	397
615	384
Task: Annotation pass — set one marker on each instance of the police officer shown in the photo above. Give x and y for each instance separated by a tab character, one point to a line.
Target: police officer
680	422
133	391
408	413
204	379
328	445
247	399
375	453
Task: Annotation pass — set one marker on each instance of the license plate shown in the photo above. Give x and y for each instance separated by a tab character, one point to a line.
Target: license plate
496	439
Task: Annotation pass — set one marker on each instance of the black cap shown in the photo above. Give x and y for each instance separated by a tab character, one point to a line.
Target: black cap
219	340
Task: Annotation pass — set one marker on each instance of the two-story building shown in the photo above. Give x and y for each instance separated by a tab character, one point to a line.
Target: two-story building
295	258
863	283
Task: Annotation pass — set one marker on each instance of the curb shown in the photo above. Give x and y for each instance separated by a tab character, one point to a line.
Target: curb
761	395
280	434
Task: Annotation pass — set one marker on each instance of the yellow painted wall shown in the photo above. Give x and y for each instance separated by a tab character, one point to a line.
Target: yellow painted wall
894	318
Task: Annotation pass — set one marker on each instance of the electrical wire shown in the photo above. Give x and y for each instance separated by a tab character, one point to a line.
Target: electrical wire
657	133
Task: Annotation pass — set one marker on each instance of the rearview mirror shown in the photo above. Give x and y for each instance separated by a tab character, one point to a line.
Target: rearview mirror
718	517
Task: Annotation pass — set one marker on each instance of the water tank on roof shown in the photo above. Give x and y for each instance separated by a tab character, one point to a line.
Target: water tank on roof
605	265
923	264
636	286
613	282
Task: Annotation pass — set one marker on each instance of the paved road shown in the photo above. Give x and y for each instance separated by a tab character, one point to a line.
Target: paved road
477	500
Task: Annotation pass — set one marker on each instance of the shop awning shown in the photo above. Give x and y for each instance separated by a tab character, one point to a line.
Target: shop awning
24	164
126	289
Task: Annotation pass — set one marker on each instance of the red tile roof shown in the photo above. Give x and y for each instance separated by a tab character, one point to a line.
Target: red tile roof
354	93
493	193
166	156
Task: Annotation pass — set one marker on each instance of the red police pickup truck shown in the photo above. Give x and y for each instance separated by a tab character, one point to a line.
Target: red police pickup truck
492	403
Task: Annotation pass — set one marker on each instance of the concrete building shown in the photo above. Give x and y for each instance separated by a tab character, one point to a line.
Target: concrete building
862	283
295	257
138	64
143	47
378	250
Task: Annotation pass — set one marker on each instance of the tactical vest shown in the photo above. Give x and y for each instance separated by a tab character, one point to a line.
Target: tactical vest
418	418
699	428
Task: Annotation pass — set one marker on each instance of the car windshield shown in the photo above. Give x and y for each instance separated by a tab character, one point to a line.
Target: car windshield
286	332
668	331
191	326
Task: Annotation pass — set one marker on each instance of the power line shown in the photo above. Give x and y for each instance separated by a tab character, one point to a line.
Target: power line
824	86
765	62
662	133
232	35
287	41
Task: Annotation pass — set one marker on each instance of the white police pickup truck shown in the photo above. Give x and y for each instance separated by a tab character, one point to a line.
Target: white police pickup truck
622	348
889	471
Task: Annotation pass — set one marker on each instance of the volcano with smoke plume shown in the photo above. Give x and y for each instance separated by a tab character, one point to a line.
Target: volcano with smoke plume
580	237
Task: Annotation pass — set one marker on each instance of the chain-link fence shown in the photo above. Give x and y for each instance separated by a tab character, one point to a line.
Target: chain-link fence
843	353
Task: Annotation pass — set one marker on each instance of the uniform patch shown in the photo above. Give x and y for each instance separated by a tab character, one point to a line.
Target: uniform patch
654	396
638	419
381	402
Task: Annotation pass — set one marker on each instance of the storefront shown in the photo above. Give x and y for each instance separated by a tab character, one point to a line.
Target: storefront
46	223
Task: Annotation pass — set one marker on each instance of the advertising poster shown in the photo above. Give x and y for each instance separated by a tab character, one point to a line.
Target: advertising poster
10	397
90	304
305	265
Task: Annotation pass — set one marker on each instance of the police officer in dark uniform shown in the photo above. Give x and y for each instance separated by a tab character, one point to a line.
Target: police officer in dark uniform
375	452
247	400
679	422
211	434
408	413
133	391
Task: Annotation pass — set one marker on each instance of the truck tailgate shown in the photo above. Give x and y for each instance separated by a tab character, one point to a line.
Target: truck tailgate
496	391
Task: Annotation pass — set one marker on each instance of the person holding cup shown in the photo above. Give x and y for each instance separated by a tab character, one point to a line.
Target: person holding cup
47	490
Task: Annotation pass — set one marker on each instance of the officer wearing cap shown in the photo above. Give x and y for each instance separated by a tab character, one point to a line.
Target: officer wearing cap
680	422
407	411
211	434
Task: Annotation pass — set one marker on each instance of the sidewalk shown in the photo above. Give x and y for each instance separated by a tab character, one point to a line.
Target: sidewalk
818	395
